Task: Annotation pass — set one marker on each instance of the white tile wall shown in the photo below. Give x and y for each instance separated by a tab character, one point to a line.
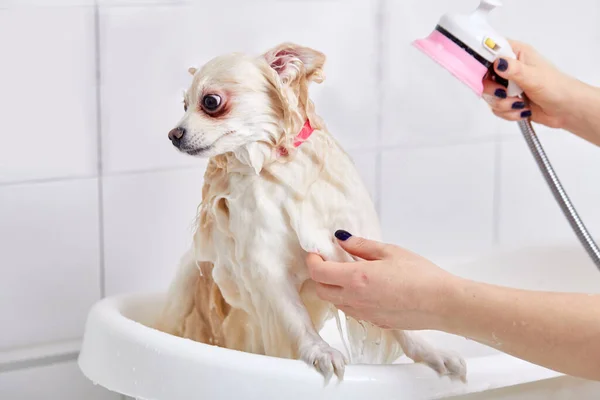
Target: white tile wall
148	225
449	178
48	94
528	212
50	260
438	201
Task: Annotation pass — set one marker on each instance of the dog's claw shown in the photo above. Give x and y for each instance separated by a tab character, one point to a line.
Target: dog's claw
327	360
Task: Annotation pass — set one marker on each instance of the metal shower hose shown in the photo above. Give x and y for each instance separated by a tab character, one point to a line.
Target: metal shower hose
559	192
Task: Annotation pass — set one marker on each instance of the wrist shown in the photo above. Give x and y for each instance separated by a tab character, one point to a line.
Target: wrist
448	303
582	102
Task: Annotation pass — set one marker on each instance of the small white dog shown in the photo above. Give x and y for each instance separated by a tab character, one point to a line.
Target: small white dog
277	186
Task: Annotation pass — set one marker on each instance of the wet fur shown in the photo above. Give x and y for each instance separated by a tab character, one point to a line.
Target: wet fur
265	204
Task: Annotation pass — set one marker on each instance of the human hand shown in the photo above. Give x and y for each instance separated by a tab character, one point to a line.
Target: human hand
552	94
392	288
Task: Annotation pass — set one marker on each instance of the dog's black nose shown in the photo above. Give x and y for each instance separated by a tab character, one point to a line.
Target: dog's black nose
175	136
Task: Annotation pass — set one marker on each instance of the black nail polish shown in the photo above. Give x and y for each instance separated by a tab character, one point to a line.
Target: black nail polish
343	235
502	65
526	114
518	105
500	93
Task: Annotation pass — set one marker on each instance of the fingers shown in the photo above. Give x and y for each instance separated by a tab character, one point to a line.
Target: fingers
509	108
328	272
366	249
513	115
331	293
517	71
523	51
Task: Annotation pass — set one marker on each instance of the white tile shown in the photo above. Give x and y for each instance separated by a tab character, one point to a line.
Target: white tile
148	225
50	260
528	211
59	381
439	201
48	93
146	53
423	103
366	164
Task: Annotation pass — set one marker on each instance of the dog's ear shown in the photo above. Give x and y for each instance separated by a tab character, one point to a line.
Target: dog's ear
192	70
291	62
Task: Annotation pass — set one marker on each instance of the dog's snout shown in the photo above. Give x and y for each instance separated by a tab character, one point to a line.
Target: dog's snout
175	135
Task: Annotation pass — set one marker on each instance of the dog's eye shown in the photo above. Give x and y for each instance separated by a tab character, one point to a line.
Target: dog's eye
185	107
211	102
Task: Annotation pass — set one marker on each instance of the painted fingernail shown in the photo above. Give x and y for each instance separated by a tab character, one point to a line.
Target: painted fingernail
502	65
343	235
526	114
518	105
500	93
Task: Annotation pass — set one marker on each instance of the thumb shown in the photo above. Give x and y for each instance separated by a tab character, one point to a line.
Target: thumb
360	247
516	71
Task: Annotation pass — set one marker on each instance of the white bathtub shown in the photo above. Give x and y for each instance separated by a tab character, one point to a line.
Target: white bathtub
122	354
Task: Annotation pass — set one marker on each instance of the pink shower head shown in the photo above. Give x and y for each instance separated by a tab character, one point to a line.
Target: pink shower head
467	46
455	59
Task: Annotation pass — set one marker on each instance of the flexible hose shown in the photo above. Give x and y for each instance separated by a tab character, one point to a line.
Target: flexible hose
559	192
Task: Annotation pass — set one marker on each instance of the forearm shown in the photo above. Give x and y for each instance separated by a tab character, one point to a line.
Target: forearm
560	331
584	115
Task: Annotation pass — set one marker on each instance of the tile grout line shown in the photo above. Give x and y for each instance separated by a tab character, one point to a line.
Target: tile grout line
377	150
60	358
100	167
39	355
379	43
47	180
67	178
82	4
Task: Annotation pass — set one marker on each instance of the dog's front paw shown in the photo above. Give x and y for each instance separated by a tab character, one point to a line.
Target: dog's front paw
325	359
447	363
